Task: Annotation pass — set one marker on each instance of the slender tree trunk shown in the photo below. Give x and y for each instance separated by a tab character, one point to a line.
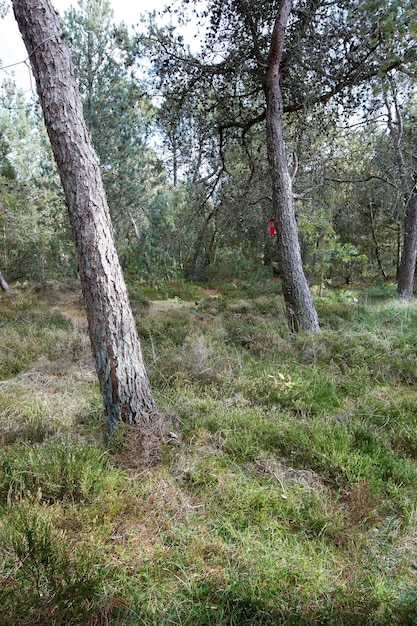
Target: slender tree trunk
120	368
299	303
140	241
4	285
376	243
174	143
191	269
409	254
398	250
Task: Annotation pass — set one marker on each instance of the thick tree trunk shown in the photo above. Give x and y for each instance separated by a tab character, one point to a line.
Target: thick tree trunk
120	368
408	258
299	303
4	285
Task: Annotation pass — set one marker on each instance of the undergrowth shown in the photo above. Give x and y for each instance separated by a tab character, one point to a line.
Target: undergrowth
286	493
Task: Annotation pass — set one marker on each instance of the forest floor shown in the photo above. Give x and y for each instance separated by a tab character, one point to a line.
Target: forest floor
285	493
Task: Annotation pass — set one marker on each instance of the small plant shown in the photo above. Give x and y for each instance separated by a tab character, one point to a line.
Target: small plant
281	382
45	579
58	469
336	295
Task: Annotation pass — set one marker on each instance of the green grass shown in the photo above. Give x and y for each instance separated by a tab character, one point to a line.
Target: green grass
287	497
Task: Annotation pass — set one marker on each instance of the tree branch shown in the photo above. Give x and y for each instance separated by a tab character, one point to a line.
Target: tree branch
360	180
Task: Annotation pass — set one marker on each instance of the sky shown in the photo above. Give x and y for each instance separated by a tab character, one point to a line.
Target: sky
12	49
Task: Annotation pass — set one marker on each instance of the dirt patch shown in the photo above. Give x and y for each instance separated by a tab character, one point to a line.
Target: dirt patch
161	306
286	475
78	317
71	307
210	292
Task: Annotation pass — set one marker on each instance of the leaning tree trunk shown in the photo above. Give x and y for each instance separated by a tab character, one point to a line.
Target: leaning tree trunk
120	368
299	303
408	258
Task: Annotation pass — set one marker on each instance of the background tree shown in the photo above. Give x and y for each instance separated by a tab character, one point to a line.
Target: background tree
407	173
408	259
120	117
3	284
331	56
36	242
184	155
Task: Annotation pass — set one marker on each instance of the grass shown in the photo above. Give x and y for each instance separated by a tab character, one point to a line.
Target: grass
287	494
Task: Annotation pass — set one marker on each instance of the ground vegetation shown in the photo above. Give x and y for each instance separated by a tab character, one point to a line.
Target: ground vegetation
285	492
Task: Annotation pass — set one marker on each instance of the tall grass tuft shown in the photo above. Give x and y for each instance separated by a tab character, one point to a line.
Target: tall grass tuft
58	469
46	580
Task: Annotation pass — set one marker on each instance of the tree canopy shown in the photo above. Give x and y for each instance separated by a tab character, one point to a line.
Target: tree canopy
180	132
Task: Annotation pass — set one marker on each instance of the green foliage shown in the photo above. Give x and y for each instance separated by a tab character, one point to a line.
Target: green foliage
197	206
6	168
329	257
35	241
211	118
120	118
57	469
50	583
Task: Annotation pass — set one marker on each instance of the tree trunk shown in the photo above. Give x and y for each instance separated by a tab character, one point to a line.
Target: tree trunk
406	270
120	368
4	285
191	269
376	242
408	258
299	303
398	248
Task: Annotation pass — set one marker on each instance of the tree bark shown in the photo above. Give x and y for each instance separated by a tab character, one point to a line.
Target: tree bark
407	268
117	353
4	285
300	308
